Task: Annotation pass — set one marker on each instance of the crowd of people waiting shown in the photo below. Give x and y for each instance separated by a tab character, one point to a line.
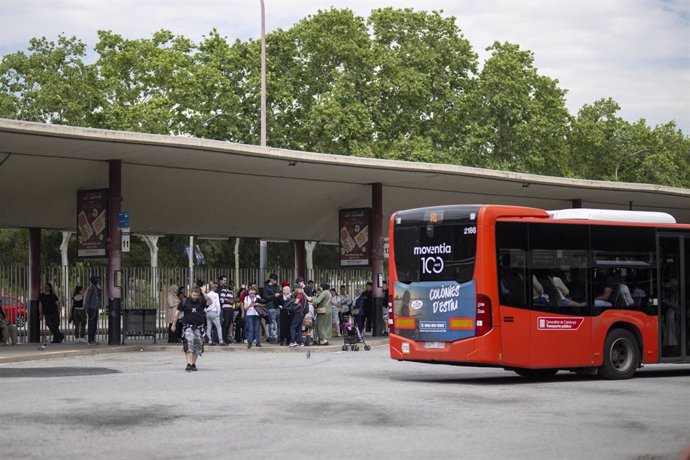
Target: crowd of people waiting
293	315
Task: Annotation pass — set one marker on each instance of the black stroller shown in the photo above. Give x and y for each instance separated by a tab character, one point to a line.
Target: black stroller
352	337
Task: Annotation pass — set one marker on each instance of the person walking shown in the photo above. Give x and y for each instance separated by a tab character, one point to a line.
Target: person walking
92	302
322	307
193	323
49	309
77	315
213	313
252	318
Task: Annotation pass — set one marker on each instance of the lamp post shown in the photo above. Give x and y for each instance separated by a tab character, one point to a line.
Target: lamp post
263	74
615	173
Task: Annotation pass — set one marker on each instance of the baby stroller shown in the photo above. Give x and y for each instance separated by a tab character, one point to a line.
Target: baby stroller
351	335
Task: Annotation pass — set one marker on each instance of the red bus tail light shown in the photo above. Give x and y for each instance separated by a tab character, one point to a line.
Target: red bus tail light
483	320
391	315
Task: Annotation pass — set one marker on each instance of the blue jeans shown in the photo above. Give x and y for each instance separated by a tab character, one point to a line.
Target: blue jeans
251	328
296	328
273	326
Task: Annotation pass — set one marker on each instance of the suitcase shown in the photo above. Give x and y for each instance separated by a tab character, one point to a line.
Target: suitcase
13	333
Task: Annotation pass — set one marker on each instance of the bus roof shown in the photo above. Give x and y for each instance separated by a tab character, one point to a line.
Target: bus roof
612	215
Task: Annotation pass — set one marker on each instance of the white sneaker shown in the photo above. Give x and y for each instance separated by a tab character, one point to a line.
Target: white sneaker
293	344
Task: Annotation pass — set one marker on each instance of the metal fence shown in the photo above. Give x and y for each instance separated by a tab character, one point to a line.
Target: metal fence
142	287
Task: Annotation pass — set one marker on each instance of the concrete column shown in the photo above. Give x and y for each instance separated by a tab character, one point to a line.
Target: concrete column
263	259
34	284
377	256
237	262
114	252
191	266
300	257
309	247
65	268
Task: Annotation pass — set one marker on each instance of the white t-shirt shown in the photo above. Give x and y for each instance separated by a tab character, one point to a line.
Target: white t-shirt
248	301
215	305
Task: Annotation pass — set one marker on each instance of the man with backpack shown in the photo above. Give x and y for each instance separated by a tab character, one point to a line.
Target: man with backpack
193	322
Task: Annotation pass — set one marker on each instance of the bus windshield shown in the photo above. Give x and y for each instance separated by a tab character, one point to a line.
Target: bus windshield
436	246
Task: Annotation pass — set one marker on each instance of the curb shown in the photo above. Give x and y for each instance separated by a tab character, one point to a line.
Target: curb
109	349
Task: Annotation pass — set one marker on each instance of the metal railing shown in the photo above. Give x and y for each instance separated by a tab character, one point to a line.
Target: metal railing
142	287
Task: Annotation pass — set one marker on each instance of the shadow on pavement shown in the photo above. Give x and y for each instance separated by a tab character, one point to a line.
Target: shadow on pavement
46	372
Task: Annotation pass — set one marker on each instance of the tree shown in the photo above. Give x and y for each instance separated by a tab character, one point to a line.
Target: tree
424	68
146	84
604	146
50	84
518	118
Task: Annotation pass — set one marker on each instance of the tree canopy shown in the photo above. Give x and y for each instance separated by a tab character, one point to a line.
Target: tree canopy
401	84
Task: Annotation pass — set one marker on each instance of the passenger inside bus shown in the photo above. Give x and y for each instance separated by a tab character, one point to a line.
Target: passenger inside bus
604	284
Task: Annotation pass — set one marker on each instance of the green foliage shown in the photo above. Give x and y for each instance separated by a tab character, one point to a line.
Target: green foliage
519	120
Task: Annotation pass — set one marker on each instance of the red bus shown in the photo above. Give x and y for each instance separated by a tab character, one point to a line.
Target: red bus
537	291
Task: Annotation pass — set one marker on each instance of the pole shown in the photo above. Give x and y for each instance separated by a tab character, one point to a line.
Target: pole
263	258
263	74
300	258
191	265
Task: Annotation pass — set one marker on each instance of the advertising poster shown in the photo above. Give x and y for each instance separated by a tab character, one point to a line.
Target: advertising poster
435	310
92	223
355	247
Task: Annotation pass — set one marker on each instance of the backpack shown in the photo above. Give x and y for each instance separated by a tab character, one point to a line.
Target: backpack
291	306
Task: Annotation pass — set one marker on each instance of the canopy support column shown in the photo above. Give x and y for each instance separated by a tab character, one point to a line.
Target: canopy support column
114	252
377	257
34	284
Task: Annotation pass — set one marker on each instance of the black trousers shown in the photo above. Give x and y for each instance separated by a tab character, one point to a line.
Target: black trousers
53	323
369	317
239	329
284	325
227	321
93	324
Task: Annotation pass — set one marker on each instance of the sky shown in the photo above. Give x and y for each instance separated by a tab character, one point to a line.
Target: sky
634	51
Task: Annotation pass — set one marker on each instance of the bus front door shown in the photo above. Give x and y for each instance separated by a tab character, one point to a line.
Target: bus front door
674	295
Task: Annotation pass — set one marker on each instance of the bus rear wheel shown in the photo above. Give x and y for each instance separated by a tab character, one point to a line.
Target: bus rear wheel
621	355
536	373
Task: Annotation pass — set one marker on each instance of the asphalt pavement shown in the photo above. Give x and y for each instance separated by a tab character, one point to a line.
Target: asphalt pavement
328	404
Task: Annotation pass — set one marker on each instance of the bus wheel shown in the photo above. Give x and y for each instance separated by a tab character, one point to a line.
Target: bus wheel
621	355
536	373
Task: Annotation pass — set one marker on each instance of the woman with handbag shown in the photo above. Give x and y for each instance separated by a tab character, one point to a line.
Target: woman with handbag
251	317
322	306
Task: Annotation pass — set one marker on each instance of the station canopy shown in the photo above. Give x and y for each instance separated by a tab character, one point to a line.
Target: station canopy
190	186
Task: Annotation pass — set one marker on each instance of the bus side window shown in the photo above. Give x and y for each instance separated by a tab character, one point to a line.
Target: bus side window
511	249
558	260
623	260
